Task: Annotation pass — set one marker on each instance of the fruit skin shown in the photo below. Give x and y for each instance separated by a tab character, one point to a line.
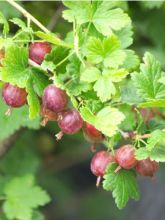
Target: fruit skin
147	167
14	96
125	157
100	161
54	99
70	121
92	134
37	51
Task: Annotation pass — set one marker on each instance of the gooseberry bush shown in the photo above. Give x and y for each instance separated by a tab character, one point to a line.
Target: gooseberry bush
92	80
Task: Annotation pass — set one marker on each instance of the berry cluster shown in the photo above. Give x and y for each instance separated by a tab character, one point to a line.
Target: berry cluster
54	108
125	158
54	101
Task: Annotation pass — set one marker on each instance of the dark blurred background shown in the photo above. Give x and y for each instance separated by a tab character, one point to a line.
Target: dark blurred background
63	168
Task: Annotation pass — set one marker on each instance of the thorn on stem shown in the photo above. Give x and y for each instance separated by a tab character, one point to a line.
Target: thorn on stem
9	111
118	169
59	135
98	181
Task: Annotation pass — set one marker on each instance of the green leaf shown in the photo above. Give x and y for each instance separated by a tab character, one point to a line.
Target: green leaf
153	103
18	118
5	24
129	93
156	137
15	66
106	120
81	11
123	185
116	75
22	196
125	36
104	88
90	74
33	101
107	51
131	61
52	38
147	81
157	153
106	20
40	81
19	23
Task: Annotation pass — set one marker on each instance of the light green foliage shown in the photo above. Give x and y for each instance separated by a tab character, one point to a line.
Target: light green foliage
122	184
107	120
104	18
147	81
22	196
156	137
107	51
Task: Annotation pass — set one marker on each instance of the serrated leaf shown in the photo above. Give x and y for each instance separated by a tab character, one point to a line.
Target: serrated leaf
81	11
16	206
123	185
106	20
33	101
153	103
157	154
147	81
40	81
18	22
156	137
51	38
106	120
129	93
125	36
104	88
131	61
5	24
18	118
107	51
116	75
90	74
15	66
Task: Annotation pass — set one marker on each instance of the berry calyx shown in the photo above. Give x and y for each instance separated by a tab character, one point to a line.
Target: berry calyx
54	99
147	167
92	134
70	122
47	116
125	157
37	51
14	96
99	163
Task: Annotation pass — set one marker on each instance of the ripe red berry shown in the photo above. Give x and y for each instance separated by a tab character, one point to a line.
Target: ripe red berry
14	96
70	121
92	134
100	161
54	98
47	115
147	167
125	157
37	51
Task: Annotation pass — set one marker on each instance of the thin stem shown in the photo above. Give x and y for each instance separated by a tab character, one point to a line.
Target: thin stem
28	15
62	61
